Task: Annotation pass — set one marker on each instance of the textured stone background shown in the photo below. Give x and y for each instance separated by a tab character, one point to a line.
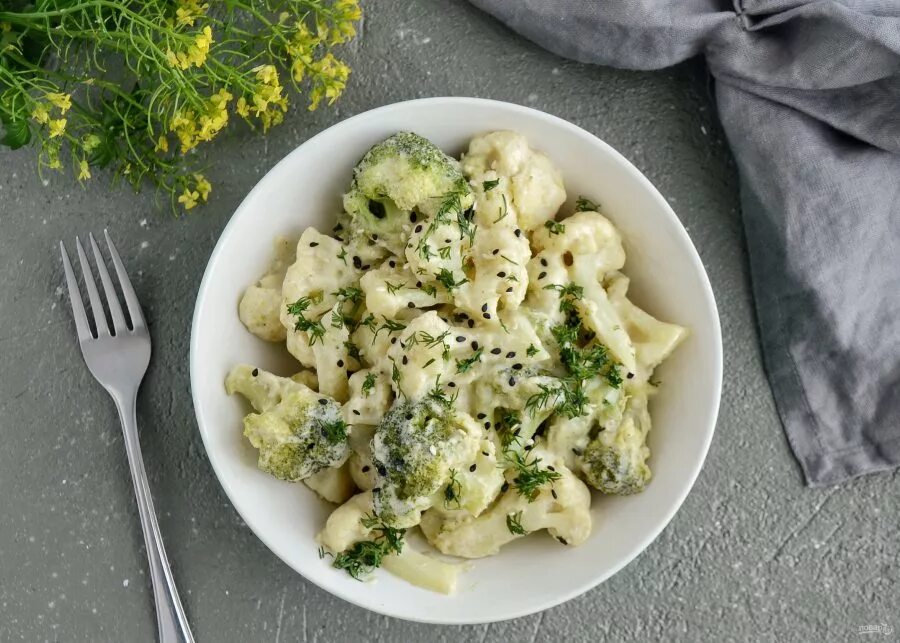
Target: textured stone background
752	555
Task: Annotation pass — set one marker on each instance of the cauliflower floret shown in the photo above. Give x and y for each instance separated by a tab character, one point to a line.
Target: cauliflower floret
413	450
260	307
561	506
403	175
536	186
312	287
615	461
332	485
389	289
591	247
654	340
298	432
473	489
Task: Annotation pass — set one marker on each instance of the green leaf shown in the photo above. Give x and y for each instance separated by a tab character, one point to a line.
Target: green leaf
16	132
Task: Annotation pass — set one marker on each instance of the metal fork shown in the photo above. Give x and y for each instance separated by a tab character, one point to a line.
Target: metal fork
118	359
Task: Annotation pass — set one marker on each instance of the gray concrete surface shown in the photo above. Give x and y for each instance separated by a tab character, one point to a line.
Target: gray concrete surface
752	555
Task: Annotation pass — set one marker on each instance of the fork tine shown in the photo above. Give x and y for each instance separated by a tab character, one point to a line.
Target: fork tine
81	325
112	299
93	295
131	300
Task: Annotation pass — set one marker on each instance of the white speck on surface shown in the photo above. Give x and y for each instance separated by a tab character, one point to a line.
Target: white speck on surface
531	98
45	182
433	450
125	583
703	129
426	40
59	291
555	71
171	257
145	245
31	539
143	223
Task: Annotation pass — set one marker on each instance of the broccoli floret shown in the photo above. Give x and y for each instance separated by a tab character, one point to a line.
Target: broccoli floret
414	448
298	432
403	173
617	464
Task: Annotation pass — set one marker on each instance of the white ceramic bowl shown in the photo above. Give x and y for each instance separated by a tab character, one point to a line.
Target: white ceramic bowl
668	279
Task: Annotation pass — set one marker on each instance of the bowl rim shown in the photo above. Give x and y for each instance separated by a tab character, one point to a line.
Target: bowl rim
709	297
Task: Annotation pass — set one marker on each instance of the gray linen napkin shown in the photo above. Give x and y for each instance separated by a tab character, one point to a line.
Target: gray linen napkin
808	92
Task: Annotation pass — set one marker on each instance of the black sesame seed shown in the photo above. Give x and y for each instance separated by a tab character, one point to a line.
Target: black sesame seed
472	468
518	232
405	360
412	217
374	237
562	540
255	372
511	354
480	416
418	228
340	363
553	493
512	381
486	315
542	275
484	308
409	304
366	469
448	241
418	284
474	345
376	490
471	323
357	263
451	384
504	487
630	375
495	351
550	466
381	469
576	451
496	250
356	412
543	262
393	340
487	425
366	267
501	274
529	447
485	453
323	401
460	339
509	289
392	263
313	244
517	367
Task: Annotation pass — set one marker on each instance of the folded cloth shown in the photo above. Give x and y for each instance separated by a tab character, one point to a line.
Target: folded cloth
808	92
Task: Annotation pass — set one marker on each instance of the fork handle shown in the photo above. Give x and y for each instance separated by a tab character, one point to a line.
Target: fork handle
170	617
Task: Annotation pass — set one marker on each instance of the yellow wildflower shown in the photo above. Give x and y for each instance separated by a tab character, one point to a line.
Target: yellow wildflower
331	79
162	144
90	142
203	186
84	171
172	58
267	74
241	107
198	51
40	113
62	101
345	13
188	198
57	127
216	116
184	125
188	11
